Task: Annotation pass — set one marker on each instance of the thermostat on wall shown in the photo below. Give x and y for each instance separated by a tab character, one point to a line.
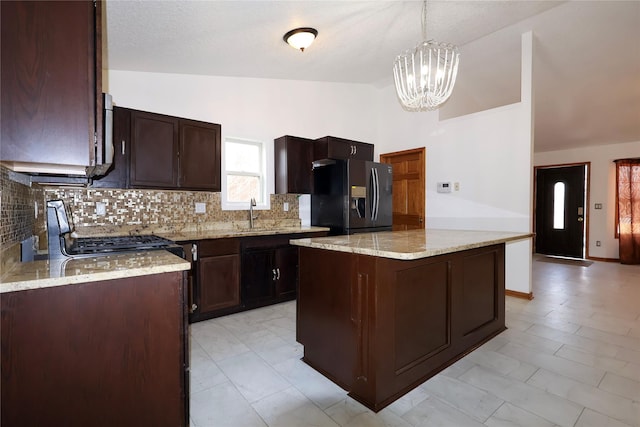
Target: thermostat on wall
444	187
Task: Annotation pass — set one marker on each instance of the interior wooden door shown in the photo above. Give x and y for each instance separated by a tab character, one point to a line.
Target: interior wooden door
408	188
560	210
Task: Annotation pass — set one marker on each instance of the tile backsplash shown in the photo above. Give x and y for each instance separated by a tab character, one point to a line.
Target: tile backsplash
164	210
19	204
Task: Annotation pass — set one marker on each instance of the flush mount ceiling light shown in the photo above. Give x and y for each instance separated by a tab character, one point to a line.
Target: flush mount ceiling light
425	76
300	38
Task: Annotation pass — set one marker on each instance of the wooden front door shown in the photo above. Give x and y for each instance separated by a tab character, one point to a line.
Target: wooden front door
408	188
560	211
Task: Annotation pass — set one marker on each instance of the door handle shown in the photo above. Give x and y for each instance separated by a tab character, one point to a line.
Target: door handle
580	219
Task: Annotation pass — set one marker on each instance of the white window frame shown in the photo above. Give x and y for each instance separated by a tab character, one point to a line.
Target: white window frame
228	205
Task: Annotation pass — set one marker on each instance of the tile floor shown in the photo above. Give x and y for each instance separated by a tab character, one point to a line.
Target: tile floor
571	357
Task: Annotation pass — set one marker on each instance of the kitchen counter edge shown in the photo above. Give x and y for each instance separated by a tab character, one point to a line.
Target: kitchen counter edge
411	244
70	271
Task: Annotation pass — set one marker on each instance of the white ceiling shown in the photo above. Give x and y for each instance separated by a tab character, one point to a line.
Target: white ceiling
586	54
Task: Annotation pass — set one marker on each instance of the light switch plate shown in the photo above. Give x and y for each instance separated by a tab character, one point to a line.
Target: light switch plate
201	207
598	206
285	206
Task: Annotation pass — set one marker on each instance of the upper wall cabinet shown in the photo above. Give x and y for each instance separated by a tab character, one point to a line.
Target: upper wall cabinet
293	158
331	147
49	84
170	152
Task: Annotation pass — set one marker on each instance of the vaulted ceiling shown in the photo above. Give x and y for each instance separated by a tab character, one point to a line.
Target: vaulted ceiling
586	53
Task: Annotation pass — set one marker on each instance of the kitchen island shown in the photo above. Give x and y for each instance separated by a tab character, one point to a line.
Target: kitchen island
95	341
380	313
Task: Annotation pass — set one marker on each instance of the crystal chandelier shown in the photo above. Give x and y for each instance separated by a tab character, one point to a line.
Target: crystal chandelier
425	76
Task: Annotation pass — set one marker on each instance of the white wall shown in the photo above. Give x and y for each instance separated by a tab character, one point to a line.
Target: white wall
489	153
602	189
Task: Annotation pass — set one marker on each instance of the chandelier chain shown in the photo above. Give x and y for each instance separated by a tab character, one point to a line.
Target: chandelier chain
424	20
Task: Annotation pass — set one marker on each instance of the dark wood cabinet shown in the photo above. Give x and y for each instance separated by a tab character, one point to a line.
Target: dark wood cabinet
170	152
215	285
286	261
107	353
50	82
199	155
293	159
219	282
154	150
379	327
236	274
331	147
118	174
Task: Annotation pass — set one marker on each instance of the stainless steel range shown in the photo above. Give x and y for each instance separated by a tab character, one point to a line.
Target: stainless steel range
63	245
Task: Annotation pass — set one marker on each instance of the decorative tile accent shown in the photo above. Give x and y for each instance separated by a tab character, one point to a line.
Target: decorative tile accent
164	210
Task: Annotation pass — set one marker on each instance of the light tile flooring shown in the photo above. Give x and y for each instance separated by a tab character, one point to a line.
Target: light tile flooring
571	357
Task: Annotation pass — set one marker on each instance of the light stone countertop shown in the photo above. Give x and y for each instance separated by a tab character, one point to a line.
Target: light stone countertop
412	244
185	236
69	271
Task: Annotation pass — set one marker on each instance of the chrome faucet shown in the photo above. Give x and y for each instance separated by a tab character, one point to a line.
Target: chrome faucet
251	217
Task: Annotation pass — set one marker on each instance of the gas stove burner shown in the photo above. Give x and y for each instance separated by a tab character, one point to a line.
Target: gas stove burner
92	245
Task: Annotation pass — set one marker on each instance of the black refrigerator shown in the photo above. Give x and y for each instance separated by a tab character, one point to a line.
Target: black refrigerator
352	196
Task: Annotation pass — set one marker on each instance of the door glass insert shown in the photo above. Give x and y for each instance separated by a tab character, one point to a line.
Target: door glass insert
558	206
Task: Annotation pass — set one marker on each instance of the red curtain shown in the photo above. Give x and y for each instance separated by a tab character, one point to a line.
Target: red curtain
628	191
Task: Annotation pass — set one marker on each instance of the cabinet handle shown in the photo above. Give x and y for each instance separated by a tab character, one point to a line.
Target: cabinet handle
274	274
278	270
194	252
355	150
123	144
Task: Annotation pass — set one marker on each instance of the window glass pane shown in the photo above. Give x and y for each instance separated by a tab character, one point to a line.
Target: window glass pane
243	157
558	206
242	188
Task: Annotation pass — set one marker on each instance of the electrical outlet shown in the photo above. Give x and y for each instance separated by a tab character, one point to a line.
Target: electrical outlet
201	207
285	206
598	206
456	186
598	243
101	208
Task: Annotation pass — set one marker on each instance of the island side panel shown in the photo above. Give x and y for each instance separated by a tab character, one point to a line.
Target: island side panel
324	322
428	313
101	354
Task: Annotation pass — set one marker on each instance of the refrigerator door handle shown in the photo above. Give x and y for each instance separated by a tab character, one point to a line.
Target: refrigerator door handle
375	202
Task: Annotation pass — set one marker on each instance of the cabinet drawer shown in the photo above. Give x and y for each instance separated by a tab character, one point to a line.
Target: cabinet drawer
215	247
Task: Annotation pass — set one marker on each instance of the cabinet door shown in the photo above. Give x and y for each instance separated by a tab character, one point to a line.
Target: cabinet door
331	147
48	82
219	281
118	174
258	276
199	155
287	271
293	158
362	151
154	150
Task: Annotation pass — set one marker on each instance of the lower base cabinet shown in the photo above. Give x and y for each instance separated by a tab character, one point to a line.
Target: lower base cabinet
235	274
269	270
108	353
215	278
